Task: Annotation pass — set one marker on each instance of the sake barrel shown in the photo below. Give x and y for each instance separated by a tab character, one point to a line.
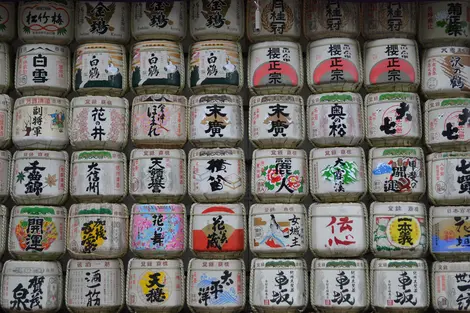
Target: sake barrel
218	230
448	283
444	23
334	64
275	67
389	20
389	277
41	122
279	175
273	20
97	230
8	28
215	120
267	295
227	277
448	232
4	221
42	69
335	119
5	163
445	72
398	230
276	121
393	119
391	65
5	63
98	176
155	285
397	174
159	20
39	177
157	175
159	121
339	284
100	69
338	174
37	232
449	178
327	19
278	230
216	175
99	284
215	66
157	66
6	114
99	122
158	230
446	124
103	21
338	230
50	21
34	286
223	20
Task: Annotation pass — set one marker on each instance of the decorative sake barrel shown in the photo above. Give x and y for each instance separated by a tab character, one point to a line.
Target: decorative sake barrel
215	66
268	295
218	230
4	222
100	69
98	176
397	174
159	20
159	121
389	277
157	66
449	239
393	119
446	124
97	230
224	20
8	23
346	277
215	120
42	69
103	21
158	230
276	121
279	175
335	119
5	63
216	175
99	284
31	286
327	19
5	168
275	67
338	174
389	19
157	175
334	64
155	286
6	116
338	230
448	283
445	72
273	20
398	230
278	230
227	277
99	122
40	177
50	21
41	122
449	178
37	232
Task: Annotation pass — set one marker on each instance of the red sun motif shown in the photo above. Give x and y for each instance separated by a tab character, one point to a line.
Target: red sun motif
322	73
288	73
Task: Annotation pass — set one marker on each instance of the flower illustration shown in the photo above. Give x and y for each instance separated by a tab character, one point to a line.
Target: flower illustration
294	182
51	180
273	176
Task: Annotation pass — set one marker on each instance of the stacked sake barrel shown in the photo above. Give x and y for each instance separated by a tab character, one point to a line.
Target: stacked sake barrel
445	85
338	181
216	166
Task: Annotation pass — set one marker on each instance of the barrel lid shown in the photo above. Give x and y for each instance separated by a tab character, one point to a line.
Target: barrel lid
444	51
105	47
449	211
450	267
276	153
98	264
91	155
277	209
418	209
211	264
136	263
163	153
396	152
17	267
386	97
258	263
104	209
215	44
447	155
337	209
332	41
276	98
41	100
218	209
349	264
88	101
447	102
334	97
208	98
160	98
158	209
389	264
389	41
277	43
44	48
41	154
28	210
167	44
321	153
227	153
